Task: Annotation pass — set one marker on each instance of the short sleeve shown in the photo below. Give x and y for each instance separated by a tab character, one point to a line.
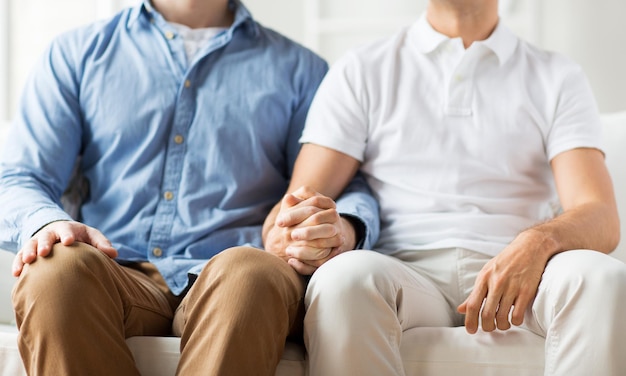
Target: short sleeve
338	118
577	121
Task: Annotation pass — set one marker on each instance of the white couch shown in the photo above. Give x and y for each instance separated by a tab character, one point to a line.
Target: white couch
426	351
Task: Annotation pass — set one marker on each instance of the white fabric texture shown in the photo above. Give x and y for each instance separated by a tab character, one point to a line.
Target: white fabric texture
195	39
433	124
380	298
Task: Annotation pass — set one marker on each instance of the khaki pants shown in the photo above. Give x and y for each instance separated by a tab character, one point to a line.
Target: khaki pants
76	307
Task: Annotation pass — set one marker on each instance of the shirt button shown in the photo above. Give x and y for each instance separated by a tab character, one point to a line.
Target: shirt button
458	78
158	252
178	139
168	195
169	35
187	83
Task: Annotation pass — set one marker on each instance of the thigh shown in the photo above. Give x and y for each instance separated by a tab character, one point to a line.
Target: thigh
452	271
416	300
79	280
572	282
239	280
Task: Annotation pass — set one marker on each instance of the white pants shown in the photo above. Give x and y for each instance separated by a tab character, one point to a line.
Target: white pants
363	301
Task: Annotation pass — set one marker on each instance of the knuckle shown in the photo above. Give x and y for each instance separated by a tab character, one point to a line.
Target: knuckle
502	316
333	214
322	201
307	189
498	283
472	309
310	211
315	218
488	313
302	233
316	200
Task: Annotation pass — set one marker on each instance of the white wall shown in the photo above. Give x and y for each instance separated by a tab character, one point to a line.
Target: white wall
591	32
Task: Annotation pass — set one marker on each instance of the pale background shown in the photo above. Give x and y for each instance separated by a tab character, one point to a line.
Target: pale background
592	32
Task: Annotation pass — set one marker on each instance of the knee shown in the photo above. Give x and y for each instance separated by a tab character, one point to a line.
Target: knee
63	265
248	262
251	272
58	279
589	273
351	275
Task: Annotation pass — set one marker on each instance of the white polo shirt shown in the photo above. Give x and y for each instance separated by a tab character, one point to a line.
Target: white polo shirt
455	142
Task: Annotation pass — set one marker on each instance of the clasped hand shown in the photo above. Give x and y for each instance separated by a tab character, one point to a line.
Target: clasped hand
308	231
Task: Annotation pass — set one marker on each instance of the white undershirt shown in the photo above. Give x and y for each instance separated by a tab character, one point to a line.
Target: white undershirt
195	39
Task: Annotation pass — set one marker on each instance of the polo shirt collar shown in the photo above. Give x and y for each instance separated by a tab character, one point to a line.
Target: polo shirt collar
502	42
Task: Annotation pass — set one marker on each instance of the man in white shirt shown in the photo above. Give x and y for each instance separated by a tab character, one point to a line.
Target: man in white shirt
484	154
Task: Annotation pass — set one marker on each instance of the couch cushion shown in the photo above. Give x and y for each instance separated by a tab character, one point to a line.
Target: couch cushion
10	361
425	351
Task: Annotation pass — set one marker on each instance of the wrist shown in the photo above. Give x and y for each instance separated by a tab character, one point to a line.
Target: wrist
543	241
354	231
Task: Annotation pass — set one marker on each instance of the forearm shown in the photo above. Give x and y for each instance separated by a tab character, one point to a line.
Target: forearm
590	219
592	226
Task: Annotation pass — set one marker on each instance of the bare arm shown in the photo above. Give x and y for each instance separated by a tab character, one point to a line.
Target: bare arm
589	221
305	228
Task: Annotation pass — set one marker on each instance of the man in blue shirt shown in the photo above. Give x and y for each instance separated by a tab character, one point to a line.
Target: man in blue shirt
183	118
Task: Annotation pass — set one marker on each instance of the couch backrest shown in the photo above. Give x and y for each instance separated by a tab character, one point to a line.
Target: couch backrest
615	149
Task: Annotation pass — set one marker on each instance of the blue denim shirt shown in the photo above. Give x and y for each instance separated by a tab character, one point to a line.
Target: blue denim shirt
183	159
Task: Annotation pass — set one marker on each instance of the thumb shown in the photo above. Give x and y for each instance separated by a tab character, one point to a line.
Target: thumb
462	308
290	200
283	219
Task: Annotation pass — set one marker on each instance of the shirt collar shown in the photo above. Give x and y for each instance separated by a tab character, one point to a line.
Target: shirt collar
502	42
242	15
425	37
